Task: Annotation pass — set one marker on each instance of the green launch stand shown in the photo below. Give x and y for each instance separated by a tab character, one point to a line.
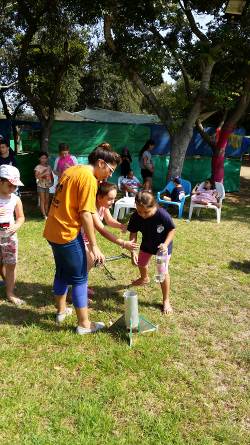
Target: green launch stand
143	327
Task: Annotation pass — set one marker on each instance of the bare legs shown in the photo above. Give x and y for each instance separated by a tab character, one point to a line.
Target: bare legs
144	278
10	279
44	203
165	287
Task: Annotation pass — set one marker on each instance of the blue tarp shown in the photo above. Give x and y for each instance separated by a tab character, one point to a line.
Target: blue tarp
197	145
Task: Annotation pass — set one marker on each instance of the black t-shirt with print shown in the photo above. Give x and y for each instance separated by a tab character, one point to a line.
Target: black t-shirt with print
154	230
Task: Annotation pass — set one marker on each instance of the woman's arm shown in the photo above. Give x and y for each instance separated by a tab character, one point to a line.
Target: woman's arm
88	227
110	221
19	218
99	226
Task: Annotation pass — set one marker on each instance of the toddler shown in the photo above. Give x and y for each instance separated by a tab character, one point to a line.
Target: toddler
10	206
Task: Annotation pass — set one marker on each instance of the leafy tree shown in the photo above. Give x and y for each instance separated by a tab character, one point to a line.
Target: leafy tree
103	85
46	53
146	37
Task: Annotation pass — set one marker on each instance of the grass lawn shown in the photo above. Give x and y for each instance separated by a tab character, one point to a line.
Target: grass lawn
187	384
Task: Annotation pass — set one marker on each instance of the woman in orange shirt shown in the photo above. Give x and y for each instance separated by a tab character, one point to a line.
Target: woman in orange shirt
71	209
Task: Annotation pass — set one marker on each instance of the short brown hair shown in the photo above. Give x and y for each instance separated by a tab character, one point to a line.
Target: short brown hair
105	187
145	199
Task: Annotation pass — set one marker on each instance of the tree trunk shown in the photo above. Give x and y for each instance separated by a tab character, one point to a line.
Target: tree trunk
179	144
218	156
46	125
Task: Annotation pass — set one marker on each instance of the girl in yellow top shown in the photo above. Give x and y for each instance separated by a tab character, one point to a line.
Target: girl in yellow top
72	208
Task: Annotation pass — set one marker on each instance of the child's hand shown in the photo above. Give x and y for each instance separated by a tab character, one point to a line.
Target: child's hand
2	211
12	229
130	245
163	248
134	258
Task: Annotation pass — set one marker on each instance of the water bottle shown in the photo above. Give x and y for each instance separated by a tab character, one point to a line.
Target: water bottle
161	266
131	309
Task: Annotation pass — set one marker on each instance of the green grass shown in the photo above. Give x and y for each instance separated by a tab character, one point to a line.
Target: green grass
184	385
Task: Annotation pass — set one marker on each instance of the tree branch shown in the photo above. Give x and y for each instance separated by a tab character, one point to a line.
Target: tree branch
5	106
193	26
163	113
184	73
6	87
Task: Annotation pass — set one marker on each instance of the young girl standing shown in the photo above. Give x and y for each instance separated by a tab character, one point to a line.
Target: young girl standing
44	178
64	160
158	230
10	205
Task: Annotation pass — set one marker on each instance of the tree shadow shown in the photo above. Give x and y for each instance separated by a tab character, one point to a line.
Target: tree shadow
35	294
23	316
244	266
106	295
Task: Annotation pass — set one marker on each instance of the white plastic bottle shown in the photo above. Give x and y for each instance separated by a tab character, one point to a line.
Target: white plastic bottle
161	266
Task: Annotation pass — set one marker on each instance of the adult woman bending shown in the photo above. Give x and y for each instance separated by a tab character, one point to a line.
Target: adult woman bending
146	164
71	209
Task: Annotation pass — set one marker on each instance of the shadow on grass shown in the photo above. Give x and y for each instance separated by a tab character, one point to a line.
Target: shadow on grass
23	316
244	266
106	296
35	294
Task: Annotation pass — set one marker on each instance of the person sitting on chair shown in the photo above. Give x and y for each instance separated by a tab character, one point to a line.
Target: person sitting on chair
131	184
177	193
206	193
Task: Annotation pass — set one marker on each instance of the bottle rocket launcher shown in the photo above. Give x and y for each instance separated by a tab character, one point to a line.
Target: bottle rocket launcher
131	309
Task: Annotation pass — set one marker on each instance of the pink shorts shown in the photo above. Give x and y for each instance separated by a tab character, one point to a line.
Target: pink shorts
9	251
144	257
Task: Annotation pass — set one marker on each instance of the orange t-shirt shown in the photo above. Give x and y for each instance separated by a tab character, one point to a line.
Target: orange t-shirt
75	192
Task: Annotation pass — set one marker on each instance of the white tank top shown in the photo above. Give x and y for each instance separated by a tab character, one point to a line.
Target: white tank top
9	205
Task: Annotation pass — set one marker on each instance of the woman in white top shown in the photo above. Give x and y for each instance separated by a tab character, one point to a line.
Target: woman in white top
146	164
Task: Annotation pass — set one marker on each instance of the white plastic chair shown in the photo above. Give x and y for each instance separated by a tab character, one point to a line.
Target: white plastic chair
124	204
221	192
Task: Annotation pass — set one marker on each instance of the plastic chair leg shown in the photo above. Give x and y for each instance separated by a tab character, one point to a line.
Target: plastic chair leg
116	211
218	215
190	212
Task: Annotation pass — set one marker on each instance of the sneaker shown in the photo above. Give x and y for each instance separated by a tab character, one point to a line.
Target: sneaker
98	326
61	317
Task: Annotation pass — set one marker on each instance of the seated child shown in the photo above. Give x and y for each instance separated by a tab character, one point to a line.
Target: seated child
177	193
131	184
206	194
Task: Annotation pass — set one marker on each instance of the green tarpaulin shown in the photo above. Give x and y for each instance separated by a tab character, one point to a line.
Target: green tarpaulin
84	137
195	170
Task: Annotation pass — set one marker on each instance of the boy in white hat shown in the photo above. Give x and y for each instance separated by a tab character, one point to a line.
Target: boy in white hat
11	219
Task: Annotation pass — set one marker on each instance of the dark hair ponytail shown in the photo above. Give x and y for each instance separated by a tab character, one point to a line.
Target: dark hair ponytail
146	146
104	151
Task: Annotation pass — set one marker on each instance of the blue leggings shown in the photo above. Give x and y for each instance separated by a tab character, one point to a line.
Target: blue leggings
71	269
79	292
